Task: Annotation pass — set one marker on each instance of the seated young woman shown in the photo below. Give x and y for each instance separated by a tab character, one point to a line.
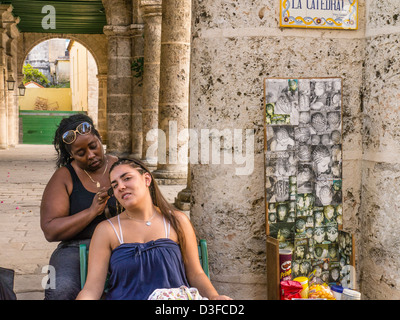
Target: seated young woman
148	246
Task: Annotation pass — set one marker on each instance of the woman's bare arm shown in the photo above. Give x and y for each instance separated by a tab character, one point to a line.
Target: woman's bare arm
55	221
99	257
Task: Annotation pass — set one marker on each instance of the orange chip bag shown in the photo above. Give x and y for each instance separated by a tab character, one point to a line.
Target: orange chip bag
318	291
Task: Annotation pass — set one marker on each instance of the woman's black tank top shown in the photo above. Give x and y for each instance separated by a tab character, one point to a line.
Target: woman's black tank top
81	199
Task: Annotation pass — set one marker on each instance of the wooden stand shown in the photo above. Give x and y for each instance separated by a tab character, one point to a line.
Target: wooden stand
273	279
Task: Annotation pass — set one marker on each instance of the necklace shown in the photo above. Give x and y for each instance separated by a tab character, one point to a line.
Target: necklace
148	222
94	181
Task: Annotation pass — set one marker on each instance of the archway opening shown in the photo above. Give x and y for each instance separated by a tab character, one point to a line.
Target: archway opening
60	76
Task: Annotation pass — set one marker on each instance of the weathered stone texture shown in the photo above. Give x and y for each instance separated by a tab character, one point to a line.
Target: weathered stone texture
382	94
233	226
381	166
119	87
383	13
380	222
237	14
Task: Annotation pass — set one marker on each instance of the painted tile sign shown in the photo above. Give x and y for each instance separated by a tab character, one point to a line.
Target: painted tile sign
329	14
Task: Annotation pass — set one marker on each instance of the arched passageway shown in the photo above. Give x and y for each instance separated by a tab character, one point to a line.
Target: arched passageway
96	46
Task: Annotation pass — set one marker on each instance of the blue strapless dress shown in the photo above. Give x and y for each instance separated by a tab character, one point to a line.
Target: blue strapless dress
137	269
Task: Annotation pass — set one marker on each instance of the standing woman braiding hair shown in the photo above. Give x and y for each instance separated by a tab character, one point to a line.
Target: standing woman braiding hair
75	200
148	246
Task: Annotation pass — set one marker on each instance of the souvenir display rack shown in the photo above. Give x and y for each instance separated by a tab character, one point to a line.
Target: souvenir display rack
303	180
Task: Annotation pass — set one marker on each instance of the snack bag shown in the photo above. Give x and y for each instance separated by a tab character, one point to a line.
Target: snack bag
290	290
318	291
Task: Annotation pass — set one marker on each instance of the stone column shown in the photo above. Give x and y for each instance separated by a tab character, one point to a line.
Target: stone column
20	135
182	200
137	91
151	79
119	90
5	12
227	205
11	112
102	108
3	109
174	91
380	221
12	103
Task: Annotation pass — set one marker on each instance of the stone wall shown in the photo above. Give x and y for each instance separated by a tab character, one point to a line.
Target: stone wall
381	167
236	45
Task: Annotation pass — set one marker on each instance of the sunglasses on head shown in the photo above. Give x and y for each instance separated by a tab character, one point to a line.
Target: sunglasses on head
83	129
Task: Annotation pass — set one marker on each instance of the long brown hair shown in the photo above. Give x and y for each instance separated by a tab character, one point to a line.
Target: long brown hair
166	209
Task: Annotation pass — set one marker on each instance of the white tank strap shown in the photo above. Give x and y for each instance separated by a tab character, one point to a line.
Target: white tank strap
167	229
119	236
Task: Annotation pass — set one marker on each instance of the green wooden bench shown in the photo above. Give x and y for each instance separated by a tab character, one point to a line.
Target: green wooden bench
83	254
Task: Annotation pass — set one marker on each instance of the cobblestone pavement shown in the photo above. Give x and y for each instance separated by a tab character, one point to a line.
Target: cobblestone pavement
24	173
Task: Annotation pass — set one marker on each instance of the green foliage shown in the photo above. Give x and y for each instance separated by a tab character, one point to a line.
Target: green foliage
32	74
137	68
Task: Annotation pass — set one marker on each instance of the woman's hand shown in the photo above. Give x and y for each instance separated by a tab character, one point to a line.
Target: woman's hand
100	201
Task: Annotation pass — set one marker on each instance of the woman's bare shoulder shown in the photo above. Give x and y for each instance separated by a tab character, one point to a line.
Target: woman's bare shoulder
182	217
104	228
102	236
105	224
61	174
60	178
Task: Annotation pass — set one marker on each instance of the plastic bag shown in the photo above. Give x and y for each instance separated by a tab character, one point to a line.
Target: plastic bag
181	293
320	291
290	290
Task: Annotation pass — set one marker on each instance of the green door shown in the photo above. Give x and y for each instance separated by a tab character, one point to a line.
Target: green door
38	127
